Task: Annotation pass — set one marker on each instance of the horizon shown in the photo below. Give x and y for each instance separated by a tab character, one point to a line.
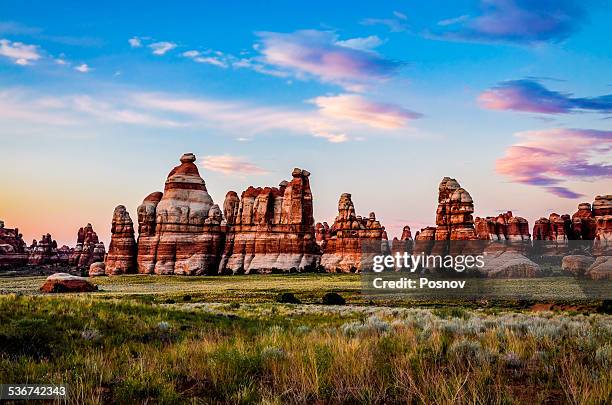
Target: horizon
382	102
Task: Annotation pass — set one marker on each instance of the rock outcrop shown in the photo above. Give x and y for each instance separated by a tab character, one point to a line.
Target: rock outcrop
271	229
344	243
12	247
43	252
180	231
88	249
602	211
583	223
65	283
504	227
121	257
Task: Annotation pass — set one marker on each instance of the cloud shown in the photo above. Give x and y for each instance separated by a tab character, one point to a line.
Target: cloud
362	44
397	23
517	21
318	54
135	42
161	48
231	165
19	52
336	119
547	158
83	68
531	96
355	107
210	57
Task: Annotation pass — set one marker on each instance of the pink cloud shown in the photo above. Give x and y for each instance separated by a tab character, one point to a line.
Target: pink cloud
547	158
320	54
231	165
531	96
355	107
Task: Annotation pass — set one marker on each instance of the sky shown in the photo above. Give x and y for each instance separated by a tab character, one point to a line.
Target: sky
513	98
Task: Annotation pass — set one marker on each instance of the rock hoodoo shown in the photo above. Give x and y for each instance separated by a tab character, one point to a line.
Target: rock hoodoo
88	249
180	231
121	257
271	229
454	219
343	243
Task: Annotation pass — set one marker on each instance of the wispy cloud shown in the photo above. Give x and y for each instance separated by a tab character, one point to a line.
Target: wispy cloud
135	42
161	48
321	55
357	108
334	118
83	68
362	44
548	158
532	96
231	165
517	21
211	58
18	52
397	23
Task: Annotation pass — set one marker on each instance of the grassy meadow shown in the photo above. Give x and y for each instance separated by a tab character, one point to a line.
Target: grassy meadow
225	339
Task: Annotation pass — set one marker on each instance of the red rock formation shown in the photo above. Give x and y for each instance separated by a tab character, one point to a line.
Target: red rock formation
503	227
602	211
88	249
180	231
344	242
121	257
406	234
271	228
12	247
454	214
583	223
43	252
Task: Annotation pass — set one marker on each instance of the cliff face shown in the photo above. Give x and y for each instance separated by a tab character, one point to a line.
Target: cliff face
180	230
271	229
343	244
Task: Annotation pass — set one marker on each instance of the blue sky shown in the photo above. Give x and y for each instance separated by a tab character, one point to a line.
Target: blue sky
97	102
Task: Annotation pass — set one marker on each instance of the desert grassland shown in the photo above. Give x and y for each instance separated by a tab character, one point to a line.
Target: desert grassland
147	339
309	287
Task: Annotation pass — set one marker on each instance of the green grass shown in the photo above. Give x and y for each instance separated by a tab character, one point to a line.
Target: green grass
141	341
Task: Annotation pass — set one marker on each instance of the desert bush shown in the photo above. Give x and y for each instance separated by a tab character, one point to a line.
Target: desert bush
333	298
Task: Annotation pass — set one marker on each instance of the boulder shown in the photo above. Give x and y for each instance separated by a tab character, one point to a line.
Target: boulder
64	283
97	269
576	265
601	269
509	264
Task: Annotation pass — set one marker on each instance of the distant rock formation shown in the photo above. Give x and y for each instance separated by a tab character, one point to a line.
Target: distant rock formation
602	211
343	243
88	249
271	229
12	247
121	257
503	227
43	252
180	231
